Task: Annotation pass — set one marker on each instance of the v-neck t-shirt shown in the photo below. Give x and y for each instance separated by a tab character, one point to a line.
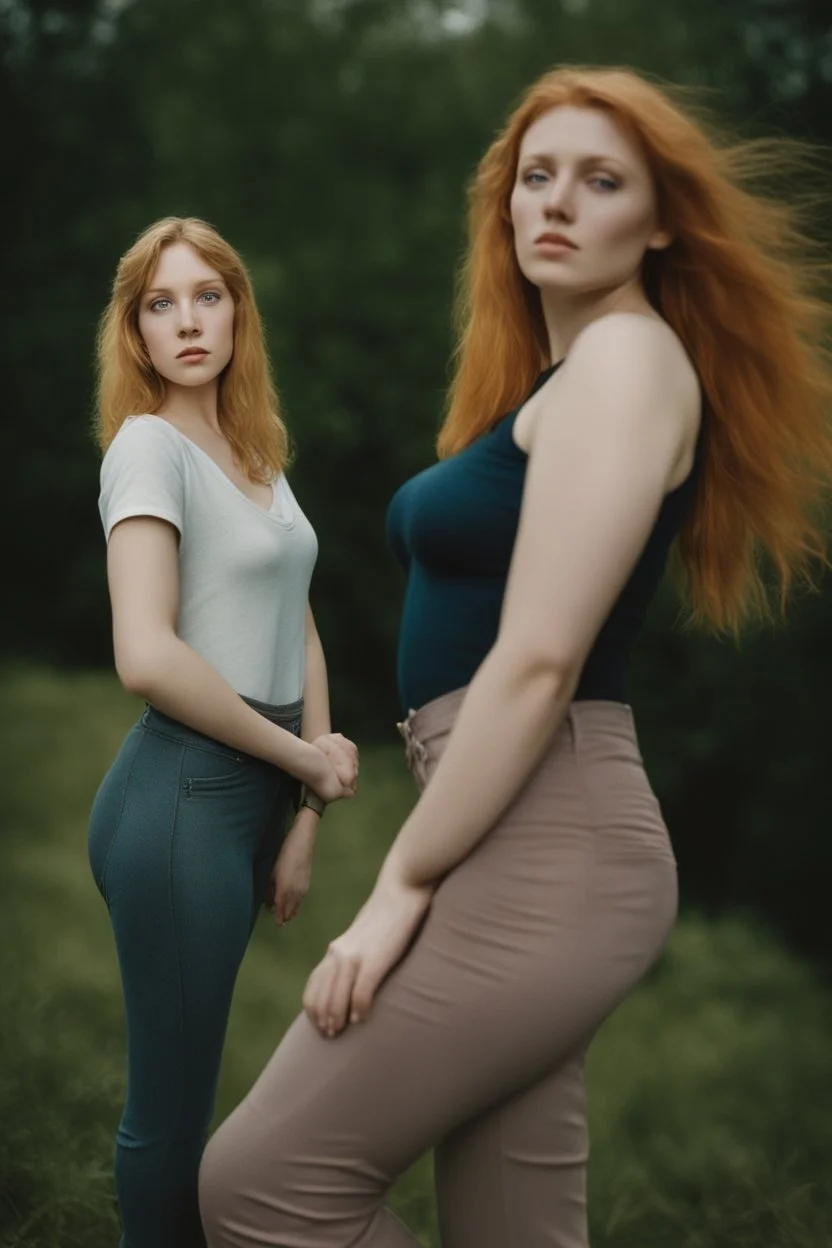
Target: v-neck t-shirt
244	569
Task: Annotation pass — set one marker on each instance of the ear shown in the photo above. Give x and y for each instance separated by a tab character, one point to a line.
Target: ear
659	239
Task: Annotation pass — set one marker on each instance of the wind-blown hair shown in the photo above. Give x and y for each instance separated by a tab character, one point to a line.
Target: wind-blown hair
741	286
128	384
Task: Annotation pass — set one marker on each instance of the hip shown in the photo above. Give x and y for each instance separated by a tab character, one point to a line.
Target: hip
589	789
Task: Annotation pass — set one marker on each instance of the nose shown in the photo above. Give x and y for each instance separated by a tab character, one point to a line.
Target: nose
189	325
559	202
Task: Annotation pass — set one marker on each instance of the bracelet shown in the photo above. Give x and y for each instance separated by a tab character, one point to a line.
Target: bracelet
309	798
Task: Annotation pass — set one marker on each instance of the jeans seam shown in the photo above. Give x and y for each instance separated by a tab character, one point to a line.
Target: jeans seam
176	934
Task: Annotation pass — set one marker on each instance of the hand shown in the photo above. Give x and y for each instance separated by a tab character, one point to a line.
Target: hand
325	779
342	755
342	986
292	870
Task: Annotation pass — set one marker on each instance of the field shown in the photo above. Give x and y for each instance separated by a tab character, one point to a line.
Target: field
710	1090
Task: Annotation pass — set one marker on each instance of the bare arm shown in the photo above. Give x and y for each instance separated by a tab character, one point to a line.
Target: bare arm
604	450
316	720
151	661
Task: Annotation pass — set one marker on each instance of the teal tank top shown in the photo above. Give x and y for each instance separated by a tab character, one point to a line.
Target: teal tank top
453	527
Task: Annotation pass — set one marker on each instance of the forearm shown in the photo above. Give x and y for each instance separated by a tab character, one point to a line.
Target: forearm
316	715
508	719
177	681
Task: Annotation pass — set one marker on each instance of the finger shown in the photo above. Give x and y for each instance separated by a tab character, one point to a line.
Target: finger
279	905
336	967
317	990
338	1006
364	990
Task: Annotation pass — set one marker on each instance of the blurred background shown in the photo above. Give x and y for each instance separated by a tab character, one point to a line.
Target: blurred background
331	142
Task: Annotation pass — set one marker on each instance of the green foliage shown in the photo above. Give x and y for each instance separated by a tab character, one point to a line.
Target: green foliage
332	142
708	1089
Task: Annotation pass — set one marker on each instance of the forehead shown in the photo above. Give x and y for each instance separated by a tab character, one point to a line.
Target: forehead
568	131
179	263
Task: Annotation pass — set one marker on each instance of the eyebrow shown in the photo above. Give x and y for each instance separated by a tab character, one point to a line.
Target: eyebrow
165	290
547	159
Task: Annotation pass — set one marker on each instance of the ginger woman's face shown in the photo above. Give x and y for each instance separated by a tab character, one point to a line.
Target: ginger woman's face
186	318
583	205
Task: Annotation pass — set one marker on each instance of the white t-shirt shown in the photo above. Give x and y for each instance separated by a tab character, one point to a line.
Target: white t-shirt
244	571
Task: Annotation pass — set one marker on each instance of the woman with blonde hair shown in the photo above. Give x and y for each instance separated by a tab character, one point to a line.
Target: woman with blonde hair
209	560
640	358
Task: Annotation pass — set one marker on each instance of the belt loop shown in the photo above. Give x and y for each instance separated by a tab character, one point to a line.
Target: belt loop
415	751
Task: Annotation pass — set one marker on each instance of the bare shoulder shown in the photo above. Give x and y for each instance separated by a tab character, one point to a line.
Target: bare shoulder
635	355
627	380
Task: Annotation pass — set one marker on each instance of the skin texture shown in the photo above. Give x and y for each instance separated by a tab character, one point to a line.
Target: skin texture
580	176
186	304
607	436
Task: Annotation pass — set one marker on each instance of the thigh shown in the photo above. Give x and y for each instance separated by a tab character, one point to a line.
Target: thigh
464	1023
180	890
516	1174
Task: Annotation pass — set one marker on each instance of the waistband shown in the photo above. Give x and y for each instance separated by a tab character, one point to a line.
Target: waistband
437	717
286	716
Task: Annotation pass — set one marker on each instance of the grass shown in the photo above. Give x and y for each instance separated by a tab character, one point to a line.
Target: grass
709	1089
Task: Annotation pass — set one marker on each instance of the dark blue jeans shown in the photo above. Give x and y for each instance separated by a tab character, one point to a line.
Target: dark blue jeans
183	835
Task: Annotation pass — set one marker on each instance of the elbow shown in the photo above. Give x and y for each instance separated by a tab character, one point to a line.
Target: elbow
137	668
543	666
133	675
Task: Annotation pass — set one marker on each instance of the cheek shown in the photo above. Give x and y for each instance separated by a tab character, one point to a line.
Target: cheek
628	227
226	327
151	333
522	221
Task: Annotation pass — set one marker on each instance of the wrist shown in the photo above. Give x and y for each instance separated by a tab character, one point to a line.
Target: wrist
314	769
305	824
311	802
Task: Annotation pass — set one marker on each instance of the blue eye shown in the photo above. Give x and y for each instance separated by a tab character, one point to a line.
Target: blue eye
154	307
211	295
606	184
534	177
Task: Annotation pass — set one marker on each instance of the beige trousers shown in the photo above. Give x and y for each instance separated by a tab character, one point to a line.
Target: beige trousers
476	1042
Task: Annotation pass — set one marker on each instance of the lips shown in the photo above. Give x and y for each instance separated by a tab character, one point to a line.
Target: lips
191	351
559	239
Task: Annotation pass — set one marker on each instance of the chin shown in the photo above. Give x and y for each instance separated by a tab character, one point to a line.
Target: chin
550	277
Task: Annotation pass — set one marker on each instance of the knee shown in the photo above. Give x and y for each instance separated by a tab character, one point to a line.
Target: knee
244	1185
221	1177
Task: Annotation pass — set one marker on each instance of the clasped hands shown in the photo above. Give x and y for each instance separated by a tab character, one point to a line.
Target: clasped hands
336	777
337	773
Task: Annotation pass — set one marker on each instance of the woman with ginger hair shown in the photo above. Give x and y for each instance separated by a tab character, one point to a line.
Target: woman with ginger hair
635	313
209	560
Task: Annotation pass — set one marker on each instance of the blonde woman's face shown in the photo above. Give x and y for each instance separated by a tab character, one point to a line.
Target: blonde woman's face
186	318
583	204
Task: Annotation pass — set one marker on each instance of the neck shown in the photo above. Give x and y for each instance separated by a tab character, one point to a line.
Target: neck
567	313
191	405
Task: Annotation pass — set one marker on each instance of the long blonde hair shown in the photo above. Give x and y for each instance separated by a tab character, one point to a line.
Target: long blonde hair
128	384
738	284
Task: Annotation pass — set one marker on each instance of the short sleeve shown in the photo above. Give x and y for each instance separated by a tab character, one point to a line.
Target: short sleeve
142	474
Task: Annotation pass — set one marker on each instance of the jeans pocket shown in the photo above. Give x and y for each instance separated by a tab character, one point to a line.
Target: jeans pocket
207	772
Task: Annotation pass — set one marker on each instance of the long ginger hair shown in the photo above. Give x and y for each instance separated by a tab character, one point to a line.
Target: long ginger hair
740	286
128	384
